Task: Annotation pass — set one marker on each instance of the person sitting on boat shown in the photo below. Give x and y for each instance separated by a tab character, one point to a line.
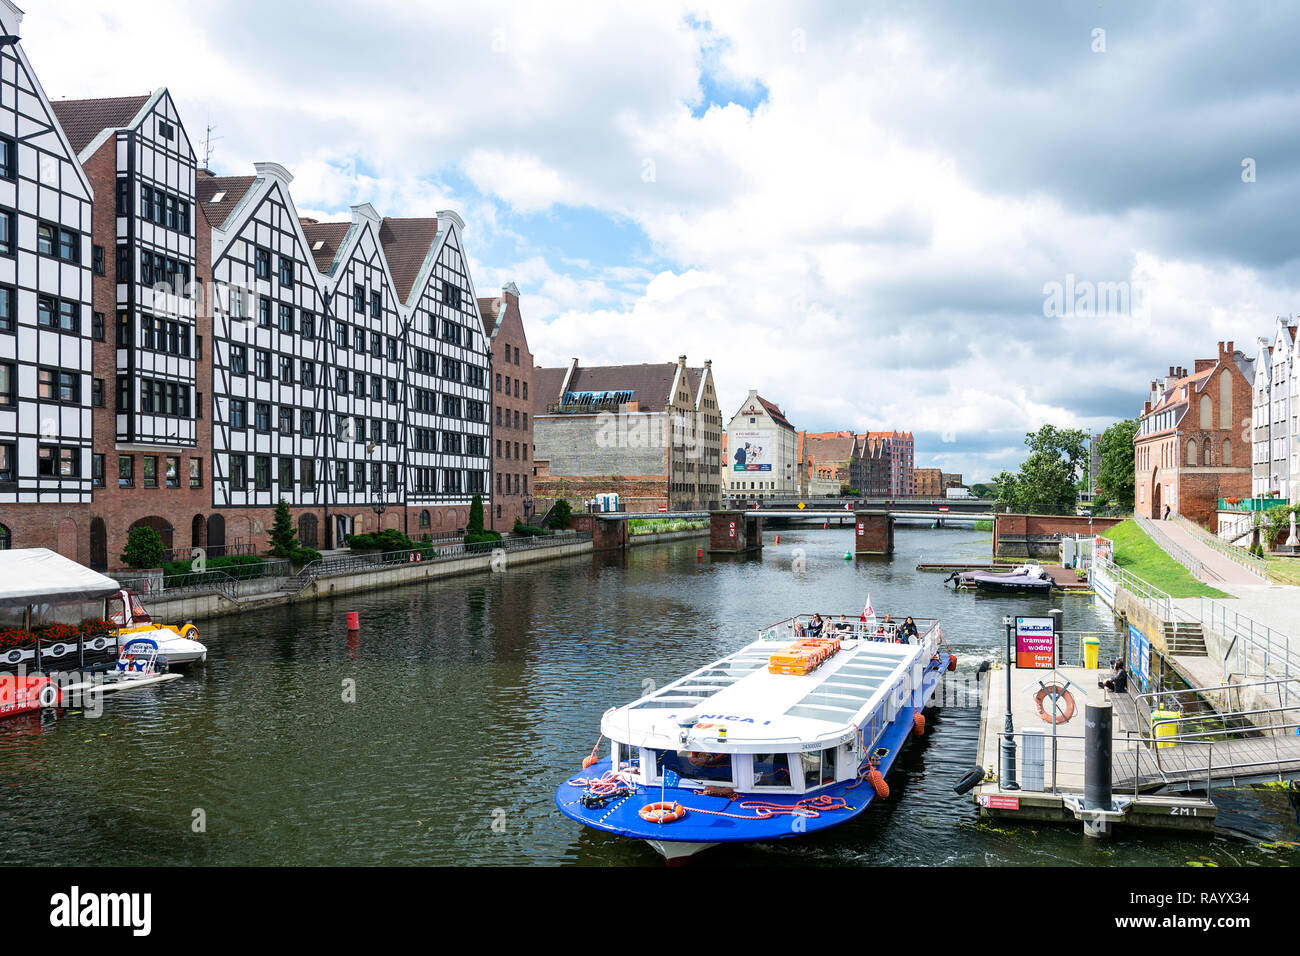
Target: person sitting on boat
885	629
815	626
907	633
842	626
1118	683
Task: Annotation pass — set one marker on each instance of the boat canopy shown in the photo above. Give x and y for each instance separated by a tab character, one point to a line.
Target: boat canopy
41	576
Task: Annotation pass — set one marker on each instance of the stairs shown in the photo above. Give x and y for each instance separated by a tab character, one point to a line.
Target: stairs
1185	638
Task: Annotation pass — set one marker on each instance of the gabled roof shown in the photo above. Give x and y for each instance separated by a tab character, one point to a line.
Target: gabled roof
406	245
219	195
489	310
830	449
324	239
83	120
774	412
652	384
1172	397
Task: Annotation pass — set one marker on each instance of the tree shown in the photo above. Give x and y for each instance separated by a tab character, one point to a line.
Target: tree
475	525
560	514
144	548
984	491
1115	478
284	541
1047	480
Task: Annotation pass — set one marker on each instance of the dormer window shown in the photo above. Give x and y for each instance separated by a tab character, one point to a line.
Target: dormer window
219	196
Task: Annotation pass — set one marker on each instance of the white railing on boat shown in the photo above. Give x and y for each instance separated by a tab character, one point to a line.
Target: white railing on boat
841	626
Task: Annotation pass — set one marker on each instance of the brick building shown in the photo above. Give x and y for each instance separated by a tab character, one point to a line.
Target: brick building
650	433
927	482
512	424
1187	451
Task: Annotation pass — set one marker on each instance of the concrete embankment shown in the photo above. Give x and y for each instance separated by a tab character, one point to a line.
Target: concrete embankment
268	592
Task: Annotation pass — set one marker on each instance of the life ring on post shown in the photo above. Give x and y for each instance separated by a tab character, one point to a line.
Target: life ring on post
662	812
1061	694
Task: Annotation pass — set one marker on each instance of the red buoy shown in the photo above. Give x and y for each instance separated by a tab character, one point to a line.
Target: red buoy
778	539
354	621
699	554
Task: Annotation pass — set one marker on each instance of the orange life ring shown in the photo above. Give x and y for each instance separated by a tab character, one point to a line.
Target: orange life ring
662	812
918	724
1061	694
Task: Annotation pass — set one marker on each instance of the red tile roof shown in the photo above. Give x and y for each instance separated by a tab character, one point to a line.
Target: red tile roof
329	236
774	412
83	120
406	243
231	189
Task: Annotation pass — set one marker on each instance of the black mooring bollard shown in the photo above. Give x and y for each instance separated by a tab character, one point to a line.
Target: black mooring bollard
1097	756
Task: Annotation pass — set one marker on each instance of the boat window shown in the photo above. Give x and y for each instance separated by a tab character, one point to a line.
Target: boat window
694	765
629	754
771	770
115	611
818	768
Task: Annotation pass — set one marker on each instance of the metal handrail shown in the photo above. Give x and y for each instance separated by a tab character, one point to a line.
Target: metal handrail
1179	554
1252	563
1161	600
1251	640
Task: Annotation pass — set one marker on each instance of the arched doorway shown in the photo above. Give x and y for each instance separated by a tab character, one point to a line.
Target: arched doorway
161	525
342	528
307	531
216	535
1156	507
98	544
198	529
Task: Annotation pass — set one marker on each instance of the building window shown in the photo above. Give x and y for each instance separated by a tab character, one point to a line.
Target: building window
238	360
97	259
57	386
97	326
7	231
238	472
8	385
286	272
262	263
97	392
308	424
196	473
360	341
308	471
286	419
61	314
151	471
308	374
376	305
173	474
264	313
262	363
286	318
358	298
262	417
8	167
286	475
308	325
125	471
238	413
341	476
8	462
7	298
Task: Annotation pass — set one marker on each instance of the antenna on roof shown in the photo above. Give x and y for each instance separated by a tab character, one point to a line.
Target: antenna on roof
208	140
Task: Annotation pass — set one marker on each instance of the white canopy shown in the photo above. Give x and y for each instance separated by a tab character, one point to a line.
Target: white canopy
41	576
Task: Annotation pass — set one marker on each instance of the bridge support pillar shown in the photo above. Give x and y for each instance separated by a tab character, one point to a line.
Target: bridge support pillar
607	534
735	532
874	532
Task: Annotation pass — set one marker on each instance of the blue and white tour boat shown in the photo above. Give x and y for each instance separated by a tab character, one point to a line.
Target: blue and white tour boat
792	734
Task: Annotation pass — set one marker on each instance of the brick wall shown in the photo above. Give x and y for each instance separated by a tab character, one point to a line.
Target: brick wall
1011	531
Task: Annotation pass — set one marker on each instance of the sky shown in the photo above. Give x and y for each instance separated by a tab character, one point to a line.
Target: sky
962	220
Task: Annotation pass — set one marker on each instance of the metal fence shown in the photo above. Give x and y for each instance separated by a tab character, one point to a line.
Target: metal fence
1254	648
1048	763
1178	553
1252	563
1157	601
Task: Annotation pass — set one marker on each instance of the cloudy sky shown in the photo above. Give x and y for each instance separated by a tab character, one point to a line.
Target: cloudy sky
869	212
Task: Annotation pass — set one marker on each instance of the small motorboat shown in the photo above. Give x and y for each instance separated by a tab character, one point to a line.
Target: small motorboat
1027	577
178	644
139	664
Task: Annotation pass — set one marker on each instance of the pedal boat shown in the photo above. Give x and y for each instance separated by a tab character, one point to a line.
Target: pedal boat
787	736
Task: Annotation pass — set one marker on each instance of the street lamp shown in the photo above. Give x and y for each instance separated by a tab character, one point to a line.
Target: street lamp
1008	775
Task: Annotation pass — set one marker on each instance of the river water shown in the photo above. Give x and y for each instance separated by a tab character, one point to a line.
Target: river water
474	697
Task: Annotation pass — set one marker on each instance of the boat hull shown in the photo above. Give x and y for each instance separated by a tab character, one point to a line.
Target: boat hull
746	817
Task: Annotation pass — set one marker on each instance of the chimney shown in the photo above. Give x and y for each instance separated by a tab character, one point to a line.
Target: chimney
681	361
308	221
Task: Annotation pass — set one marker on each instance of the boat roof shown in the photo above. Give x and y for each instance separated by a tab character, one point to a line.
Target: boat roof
763	710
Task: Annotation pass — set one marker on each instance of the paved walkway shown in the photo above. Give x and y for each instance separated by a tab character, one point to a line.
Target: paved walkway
1276	606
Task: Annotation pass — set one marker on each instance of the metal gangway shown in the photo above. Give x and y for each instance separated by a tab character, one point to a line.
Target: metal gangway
1200	737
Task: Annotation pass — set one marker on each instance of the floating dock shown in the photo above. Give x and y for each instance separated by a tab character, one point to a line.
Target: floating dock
1050	772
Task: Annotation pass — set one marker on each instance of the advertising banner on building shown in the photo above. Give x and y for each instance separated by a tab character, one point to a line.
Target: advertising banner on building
1035	643
751	450
1139	658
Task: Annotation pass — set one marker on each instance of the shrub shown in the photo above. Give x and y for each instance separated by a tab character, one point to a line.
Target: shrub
144	548
483	537
49	633
301	556
241	567
11	637
560	515
475	524
527	530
